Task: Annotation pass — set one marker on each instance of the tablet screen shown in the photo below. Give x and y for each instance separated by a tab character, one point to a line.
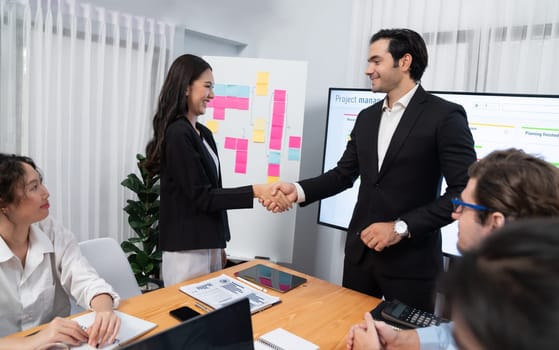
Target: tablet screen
269	277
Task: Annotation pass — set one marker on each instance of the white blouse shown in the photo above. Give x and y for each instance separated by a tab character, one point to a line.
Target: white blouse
36	293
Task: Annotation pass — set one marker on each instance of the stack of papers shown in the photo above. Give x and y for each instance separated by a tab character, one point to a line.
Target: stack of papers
223	290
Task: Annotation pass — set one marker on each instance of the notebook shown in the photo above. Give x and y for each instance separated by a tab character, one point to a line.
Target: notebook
227	328
280	339
130	328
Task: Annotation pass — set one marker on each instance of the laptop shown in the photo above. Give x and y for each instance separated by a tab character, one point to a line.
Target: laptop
227	328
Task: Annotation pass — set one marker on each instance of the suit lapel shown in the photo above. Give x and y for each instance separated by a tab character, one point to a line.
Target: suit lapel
374	138
207	159
409	118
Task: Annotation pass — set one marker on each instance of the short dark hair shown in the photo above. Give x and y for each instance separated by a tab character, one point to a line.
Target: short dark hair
505	291
172	104
12	176
403	41
517	184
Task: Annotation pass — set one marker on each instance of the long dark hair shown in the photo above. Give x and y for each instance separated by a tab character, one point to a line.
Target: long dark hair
172	104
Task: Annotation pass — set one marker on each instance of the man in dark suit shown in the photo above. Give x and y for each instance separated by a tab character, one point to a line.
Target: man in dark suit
401	148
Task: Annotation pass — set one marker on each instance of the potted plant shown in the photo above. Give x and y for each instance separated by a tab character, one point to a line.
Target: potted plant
143	217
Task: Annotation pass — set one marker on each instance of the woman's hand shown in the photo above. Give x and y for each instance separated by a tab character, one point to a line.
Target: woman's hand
59	330
104	329
106	325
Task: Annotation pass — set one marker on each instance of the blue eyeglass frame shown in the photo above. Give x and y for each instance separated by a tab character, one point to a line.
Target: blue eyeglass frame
458	203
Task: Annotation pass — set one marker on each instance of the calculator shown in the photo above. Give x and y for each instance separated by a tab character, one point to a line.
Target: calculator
401	314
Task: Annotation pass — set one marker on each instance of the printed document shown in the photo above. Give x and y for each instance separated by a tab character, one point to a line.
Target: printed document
223	290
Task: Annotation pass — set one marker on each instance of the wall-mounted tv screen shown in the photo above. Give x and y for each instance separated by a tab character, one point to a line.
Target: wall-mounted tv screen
497	121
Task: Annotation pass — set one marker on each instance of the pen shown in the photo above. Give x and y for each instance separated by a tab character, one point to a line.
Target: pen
203	307
253	285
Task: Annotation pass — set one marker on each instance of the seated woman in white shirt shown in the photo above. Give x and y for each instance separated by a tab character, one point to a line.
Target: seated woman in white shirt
40	264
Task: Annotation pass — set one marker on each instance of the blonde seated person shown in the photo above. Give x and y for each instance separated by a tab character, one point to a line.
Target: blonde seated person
40	264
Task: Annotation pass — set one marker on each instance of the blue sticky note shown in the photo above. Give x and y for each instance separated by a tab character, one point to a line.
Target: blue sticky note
274	157
294	154
220	90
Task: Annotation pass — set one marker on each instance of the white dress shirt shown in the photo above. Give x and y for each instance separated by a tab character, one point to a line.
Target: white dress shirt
35	294
389	122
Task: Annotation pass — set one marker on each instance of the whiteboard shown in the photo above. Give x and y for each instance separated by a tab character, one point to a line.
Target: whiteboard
257	118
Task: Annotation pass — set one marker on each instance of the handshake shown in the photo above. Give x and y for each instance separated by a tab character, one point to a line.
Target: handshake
277	197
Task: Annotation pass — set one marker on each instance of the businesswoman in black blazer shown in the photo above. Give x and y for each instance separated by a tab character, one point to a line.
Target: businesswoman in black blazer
193	219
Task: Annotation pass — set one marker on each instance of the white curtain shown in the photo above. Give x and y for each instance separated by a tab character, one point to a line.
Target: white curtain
507	46
79	86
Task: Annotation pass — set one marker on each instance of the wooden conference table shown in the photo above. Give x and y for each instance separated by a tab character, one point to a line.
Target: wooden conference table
318	311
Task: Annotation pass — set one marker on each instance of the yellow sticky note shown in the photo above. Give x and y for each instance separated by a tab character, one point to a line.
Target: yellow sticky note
258	136
262	77
261	89
212	125
259	123
272	179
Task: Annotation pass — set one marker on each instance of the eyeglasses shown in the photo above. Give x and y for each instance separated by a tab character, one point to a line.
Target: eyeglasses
458	206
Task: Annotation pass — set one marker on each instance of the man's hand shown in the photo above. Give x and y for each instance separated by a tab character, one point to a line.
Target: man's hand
366	338
380	235
280	197
274	201
392	339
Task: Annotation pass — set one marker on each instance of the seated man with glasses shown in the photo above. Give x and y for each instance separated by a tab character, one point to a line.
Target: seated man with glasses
504	186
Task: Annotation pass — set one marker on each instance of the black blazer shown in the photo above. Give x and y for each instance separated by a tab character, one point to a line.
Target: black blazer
193	203
432	140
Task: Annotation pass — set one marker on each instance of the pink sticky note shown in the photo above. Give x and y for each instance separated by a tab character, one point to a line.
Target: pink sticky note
273	170
294	142
219	102
276	132
242	144
241	162
219	113
279	95
278	120
242	103
230	143
275	144
279	108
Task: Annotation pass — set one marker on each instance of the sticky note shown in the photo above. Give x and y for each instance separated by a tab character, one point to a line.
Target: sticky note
272	179
274	157
219	113
273	169
261	89
241	162
294	154
279	95
242	144
258	136
230	143
294	141
259	123
212	125
262	77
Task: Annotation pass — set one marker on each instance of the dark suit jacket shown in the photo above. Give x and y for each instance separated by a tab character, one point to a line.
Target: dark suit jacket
432	140
193	204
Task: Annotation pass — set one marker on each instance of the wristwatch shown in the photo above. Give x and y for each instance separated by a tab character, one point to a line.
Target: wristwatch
401	228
